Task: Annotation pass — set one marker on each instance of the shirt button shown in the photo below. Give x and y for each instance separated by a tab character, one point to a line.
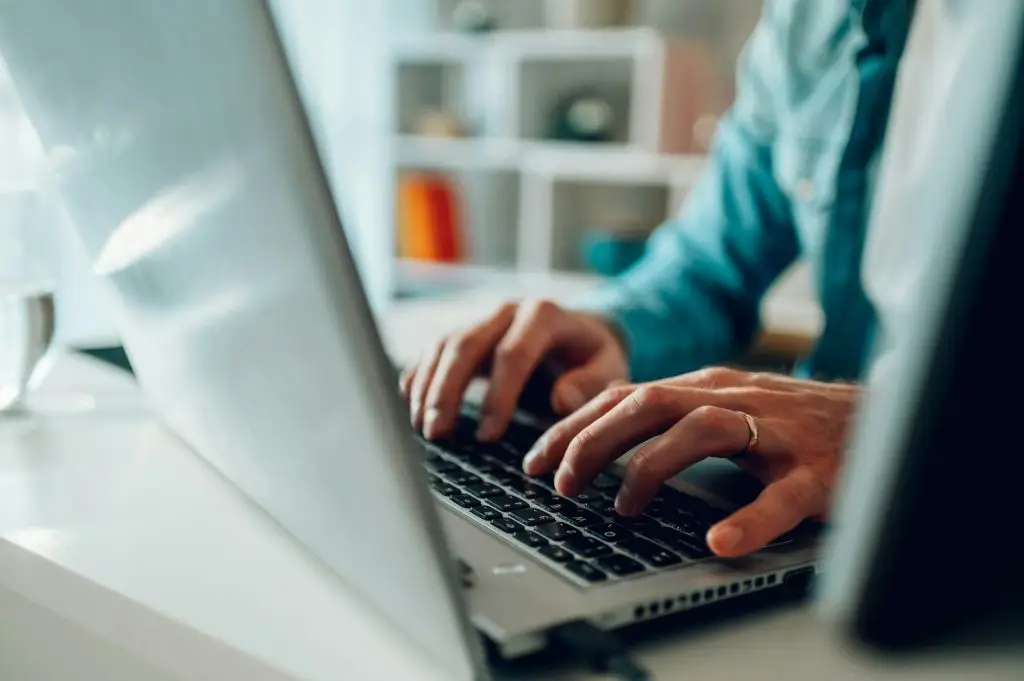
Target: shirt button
804	189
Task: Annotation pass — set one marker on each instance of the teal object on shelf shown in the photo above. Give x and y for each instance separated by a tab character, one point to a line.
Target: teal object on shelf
610	253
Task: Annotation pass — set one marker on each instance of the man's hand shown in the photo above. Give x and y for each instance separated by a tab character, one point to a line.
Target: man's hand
512	343
801	429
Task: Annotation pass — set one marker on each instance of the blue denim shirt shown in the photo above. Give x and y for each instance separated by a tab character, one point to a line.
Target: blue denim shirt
789	176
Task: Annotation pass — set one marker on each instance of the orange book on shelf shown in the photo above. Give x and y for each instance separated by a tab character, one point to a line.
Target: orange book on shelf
429	219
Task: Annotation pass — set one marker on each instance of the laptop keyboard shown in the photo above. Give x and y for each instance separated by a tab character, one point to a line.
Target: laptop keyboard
582	537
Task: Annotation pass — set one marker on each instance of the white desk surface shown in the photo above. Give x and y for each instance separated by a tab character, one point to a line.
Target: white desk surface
789	308
124	556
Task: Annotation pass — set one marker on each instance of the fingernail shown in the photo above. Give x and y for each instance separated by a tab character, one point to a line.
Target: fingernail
571	397
430	423
624	502
531	458
724	538
488	429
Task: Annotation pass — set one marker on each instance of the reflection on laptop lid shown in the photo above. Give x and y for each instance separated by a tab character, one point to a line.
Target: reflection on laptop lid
189	170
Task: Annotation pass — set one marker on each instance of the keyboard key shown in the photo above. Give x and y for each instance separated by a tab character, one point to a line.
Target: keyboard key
580	517
603	507
533	491
555	504
611	532
682	544
462	477
464	500
506	503
558	531
521	436
444	489
532	516
507	526
678	501
620	565
650	553
606	481
587	547
501	452
442	466
588	496
515	454
527	490
488	468
464	454
691	527
503	476
484	490
640	525
465	428
714	515
531	539
556	553
586	571
486	513
546	479
657	509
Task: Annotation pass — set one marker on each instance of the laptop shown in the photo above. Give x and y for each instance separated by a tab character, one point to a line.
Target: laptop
926	552
185	158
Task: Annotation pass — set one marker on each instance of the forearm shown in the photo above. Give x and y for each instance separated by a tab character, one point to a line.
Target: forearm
693	299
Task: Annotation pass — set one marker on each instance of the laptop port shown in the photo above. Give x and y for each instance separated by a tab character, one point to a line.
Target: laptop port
799	580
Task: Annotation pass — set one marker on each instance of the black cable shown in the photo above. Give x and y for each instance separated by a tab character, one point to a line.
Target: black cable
601	650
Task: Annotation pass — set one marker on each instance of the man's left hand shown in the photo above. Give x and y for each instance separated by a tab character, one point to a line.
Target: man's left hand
800	429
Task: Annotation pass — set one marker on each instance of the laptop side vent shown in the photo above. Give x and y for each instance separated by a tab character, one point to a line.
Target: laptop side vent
700	597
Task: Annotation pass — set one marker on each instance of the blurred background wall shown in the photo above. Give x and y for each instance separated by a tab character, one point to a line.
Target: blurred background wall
529	135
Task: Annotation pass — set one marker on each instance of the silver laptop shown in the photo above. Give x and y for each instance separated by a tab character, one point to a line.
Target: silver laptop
185	158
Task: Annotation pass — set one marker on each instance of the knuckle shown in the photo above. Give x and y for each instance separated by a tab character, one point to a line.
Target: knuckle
539	308
715	376
712	418
609	397
645	464
580	445
761	377
650	396
510	354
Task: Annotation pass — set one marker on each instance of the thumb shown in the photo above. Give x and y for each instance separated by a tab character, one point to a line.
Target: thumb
578	386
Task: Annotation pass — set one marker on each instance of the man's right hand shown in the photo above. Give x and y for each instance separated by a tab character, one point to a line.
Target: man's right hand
512	343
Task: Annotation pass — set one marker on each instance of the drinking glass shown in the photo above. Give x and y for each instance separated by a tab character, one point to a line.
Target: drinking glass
27	308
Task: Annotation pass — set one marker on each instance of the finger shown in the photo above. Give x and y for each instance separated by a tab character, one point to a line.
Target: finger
705	432
576	387
648	411
421	382
405	381
547	452
779	508
461	358
515	358
724	377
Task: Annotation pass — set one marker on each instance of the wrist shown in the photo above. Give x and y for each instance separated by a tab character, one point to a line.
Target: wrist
612	329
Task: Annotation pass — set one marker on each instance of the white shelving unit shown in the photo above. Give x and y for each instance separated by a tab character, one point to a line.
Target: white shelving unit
528	199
